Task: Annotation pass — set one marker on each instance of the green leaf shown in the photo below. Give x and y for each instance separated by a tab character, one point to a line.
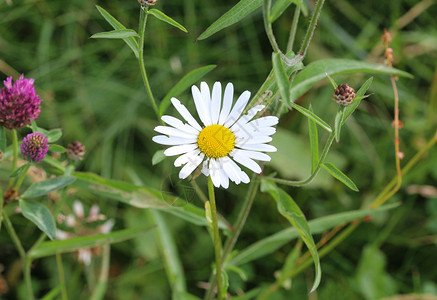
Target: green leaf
158	157
2	140
186	81
281	5
317	71
54	135
359	96
33	125
232	16
53	293
338	123
57	148
115	34
311	115
142	197
130	41
281	77
44	187
40	216
314	142
275	241
52	247
340	176
334	84
173	265
18	171
163	17
290	210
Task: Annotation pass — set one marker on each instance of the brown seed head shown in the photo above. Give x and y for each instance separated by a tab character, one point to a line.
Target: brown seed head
386	37
344	94
76	151
147	2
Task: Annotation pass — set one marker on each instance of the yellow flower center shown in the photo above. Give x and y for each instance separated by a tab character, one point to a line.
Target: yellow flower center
216	141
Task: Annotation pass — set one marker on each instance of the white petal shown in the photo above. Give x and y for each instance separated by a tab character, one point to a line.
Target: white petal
202	105
172	140
251	154
107	226
244	177
240	141
216	102
176	150
259	147
231	169
174	132
94	211
227	103
237	109
214	172
224	179
247	117
184	158
185	113
172	121
191	165
246	161
78	209
265	121
205	169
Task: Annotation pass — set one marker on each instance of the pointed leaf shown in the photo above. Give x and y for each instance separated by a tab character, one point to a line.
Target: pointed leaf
158	157
290	210
64	246
340	176
115	34
163	17
311	115
130	41
271	243
281	5
281	77
314	142
40	216
317	71
57	148
232	16
359	96
18	171
186	82
54	135
44	187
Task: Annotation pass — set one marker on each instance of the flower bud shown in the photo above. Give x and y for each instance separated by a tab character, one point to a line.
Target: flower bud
344	94
34	147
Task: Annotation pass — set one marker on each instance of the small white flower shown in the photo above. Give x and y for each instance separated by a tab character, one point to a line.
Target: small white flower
227	136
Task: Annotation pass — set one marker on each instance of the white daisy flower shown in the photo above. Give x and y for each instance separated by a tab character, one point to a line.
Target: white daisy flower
227	136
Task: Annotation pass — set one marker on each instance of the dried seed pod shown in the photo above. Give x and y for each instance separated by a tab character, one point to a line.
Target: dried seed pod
344	94
147	2
76	151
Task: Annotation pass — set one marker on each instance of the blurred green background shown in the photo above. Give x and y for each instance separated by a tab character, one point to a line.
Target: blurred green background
92	89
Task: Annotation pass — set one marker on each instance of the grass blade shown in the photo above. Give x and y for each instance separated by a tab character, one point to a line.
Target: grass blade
183	84
314	142
232	16
340	176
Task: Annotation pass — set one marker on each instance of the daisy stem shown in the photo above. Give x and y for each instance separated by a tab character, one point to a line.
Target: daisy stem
15	155
143	21
217	242
293	29
268	25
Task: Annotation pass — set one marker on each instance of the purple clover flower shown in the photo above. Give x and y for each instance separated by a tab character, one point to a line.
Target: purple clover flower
34	147
19	103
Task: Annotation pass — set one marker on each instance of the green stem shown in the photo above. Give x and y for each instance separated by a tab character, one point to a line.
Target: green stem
1	207
102	284
268	26
22	176
25	260
293	29
316	170
61	276
142	29
15	155
313	24
217	242
239	224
